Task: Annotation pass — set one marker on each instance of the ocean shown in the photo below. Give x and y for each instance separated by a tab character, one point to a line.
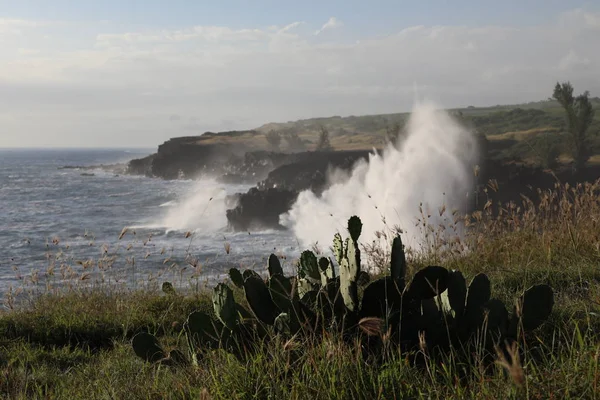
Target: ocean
64	226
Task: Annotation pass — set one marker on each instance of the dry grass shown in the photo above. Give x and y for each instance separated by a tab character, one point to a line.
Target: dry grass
522	135
559	225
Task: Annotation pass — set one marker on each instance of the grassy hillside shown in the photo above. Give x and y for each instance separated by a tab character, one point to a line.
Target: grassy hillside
520	127
521	132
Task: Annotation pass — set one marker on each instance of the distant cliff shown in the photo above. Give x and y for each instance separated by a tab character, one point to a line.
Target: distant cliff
234	157
211	153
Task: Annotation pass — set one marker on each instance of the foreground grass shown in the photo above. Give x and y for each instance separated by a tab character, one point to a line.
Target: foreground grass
78	344
52	350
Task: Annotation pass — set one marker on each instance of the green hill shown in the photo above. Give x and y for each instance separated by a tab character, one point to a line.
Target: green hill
516	129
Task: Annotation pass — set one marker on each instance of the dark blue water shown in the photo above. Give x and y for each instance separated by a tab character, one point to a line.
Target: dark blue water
57	225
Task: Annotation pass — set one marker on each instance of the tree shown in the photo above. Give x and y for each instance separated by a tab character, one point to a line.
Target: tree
547	150
324	144
579	116
294	141
274	139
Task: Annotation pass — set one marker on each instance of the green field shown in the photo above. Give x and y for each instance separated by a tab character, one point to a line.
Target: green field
525	126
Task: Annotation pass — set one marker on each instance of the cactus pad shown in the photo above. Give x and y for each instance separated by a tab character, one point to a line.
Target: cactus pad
146	346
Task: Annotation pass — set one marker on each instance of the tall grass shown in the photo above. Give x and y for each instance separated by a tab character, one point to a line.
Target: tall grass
75	343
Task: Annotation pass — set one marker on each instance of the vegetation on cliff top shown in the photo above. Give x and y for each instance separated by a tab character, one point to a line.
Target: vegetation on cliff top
533	133
525	129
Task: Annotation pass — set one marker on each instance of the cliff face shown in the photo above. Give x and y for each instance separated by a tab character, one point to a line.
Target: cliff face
262	206
308	170
232	157
280	177
193	156
235	157
141	166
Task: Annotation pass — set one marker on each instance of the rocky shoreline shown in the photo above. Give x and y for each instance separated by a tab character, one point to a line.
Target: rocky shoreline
279	177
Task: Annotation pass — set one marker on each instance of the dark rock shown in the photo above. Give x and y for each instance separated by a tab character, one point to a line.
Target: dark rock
501	182
253	167
309	170
260	209
208	154
141	166
233	179
262	206
213	155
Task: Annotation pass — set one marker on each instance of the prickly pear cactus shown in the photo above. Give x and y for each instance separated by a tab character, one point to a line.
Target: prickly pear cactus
496	318
282	323
354	227
338	248
303	287
280	289
363	278
379	297
349	271
453	299
250	272
326	269
428	283
203	330
478	294
274	266
224	305
146	347
309	267
236	277
536	306
259	299
398	263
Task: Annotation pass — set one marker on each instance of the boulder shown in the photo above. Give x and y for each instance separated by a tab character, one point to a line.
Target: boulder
260	209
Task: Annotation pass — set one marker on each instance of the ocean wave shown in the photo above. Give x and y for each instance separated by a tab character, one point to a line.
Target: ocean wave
171	203
125	194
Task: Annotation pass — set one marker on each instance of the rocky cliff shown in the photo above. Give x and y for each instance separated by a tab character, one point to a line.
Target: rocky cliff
235	157
261	206
240	157
193	156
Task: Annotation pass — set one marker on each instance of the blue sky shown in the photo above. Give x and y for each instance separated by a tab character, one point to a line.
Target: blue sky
369	17
98	73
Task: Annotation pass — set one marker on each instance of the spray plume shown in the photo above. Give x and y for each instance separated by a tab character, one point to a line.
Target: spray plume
203	208
431	166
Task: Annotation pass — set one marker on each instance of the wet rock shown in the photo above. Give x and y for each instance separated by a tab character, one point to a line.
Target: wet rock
262	206
260	209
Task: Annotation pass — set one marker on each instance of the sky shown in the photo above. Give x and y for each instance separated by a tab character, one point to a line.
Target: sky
79	73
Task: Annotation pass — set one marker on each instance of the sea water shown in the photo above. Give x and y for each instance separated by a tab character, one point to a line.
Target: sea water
55	219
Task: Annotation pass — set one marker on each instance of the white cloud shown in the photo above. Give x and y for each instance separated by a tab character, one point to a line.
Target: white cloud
16	26
573	60
580	18
332	23
290	27
91	84
213	34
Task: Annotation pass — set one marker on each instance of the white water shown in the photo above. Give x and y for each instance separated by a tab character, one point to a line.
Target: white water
433	166
202	209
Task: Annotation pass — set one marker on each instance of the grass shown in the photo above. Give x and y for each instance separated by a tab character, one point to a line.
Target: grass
516	132
76	343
